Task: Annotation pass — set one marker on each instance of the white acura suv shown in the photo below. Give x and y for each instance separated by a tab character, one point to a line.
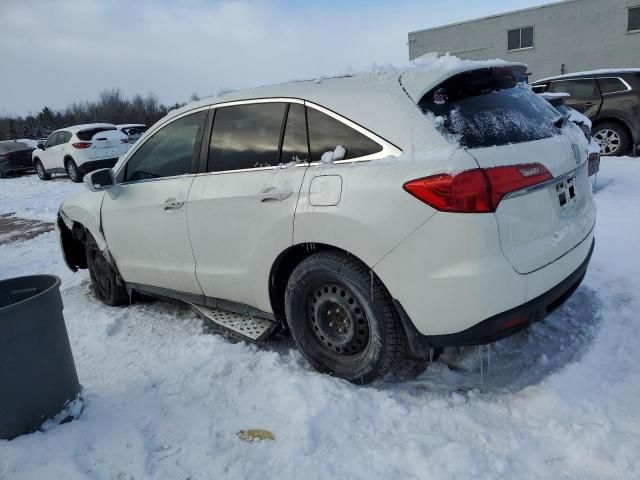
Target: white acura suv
79	150
375	217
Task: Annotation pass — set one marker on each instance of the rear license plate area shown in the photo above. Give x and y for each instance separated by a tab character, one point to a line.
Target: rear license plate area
566	191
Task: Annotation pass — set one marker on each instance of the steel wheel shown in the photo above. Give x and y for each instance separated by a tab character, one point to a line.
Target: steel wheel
609	141
339	321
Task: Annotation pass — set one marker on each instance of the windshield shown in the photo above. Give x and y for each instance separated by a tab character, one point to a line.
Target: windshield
479	110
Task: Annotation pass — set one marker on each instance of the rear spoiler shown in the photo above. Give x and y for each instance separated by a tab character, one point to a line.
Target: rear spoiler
418	82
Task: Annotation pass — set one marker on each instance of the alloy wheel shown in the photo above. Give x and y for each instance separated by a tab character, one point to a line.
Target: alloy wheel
609	141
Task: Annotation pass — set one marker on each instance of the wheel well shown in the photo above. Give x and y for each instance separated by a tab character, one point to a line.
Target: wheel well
35	159
73	244
66	159
284	266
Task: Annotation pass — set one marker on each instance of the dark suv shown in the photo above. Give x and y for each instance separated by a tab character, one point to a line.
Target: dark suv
610	98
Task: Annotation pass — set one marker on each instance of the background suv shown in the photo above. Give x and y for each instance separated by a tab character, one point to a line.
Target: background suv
610	98
79	149
375	217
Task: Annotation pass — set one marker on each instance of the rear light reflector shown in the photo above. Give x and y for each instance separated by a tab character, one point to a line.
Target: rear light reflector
81	145
514	322
476	191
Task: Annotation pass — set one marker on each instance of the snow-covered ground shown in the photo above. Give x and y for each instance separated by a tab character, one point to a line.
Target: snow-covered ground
164	399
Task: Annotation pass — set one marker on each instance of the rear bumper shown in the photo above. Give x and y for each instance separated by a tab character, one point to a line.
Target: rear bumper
503	324
92	165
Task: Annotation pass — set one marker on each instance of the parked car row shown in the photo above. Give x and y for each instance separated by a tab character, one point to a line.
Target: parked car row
74	150
609	98
80	149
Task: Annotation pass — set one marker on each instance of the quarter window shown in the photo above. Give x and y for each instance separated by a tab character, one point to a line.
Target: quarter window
583	88
326	134
246	136
634	19
295	146
63	137
520	38
171	151
611	85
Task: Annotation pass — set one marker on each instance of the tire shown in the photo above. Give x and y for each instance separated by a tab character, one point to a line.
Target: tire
42	173
360	337
103	276
613	138
72	170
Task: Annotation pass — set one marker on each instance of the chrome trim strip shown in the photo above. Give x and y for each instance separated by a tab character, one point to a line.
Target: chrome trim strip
625	83
546	184
388	149
147	180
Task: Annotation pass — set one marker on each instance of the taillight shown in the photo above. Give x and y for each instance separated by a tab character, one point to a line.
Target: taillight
475	191
81	145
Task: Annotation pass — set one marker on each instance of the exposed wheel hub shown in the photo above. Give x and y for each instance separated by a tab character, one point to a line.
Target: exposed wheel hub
337	319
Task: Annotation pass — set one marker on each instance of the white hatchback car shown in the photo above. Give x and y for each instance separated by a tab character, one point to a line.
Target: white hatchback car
79	150
375	217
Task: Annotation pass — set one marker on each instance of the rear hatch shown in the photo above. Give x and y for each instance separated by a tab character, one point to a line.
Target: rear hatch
502	123
105	142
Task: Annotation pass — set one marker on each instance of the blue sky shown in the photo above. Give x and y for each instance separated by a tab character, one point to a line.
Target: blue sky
58	52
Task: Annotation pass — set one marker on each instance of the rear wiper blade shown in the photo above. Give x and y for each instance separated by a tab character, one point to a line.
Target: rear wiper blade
560	121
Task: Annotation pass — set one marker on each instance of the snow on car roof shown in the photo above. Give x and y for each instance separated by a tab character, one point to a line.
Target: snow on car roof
130	125
362	96
604	71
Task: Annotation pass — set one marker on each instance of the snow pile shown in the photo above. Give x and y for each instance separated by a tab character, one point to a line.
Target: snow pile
333	156
29	197
165	400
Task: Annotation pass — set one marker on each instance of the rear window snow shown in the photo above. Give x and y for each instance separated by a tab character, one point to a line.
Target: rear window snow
476	110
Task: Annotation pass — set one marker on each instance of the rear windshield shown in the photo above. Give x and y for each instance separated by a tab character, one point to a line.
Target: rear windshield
488	108
86	135
134	130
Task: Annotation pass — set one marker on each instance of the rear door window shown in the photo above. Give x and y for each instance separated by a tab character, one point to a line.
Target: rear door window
295	144
480	109
326	134
612	85
170	151
246	136
581	88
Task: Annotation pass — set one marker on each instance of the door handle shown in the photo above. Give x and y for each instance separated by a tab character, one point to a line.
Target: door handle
172	204
273	195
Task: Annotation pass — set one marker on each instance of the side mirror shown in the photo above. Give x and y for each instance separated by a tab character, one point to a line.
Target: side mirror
40	146
99	180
